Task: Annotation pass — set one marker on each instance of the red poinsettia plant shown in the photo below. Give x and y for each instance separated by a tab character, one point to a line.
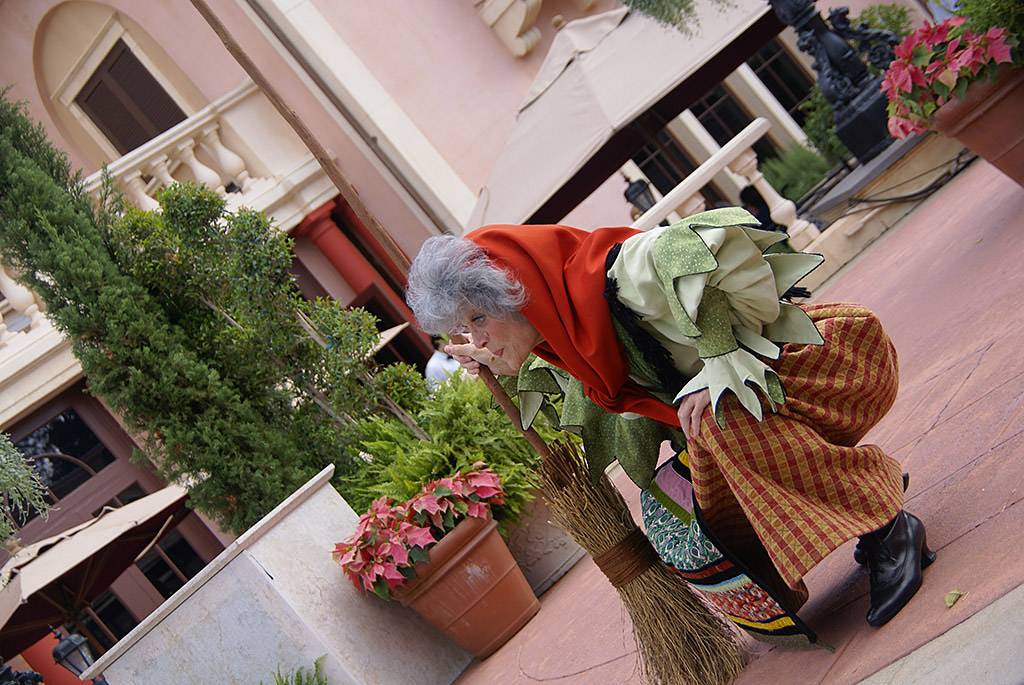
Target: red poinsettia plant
392	537
936	63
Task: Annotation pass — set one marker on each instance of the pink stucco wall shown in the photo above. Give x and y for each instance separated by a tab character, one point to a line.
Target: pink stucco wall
447	70
174	25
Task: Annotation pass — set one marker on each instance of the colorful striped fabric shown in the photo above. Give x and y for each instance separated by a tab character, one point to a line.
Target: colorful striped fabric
688	550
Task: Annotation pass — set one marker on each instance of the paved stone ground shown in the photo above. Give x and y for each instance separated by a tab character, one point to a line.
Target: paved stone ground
948	283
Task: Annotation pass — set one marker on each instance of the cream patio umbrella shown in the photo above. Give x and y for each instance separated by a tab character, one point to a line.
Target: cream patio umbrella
606	81
48	582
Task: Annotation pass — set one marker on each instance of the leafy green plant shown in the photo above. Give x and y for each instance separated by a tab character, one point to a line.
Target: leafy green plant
888	17
466	428
302	676
983	15
795	171
679	14
820	127
20	488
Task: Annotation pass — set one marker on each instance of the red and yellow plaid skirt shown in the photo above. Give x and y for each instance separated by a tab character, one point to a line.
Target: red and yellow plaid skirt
797	485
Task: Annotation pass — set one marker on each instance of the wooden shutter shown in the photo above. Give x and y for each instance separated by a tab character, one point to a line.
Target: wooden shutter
125	102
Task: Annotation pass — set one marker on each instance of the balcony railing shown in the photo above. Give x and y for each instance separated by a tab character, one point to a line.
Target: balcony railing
739	157
18	308
192	150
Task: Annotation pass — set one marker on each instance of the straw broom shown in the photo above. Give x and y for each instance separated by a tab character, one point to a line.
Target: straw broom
679	638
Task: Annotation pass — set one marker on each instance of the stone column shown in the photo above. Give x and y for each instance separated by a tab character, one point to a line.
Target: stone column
783	211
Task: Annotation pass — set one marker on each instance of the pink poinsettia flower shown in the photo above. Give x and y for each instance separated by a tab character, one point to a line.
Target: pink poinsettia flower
477	510
947	78
998	51
418	536
429	503
898	77
901	128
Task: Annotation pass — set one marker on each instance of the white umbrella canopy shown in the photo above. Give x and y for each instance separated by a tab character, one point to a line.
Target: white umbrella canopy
47	582
601	74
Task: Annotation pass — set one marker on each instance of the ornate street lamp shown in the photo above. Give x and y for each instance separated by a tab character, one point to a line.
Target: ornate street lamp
72	652
854	93
638	193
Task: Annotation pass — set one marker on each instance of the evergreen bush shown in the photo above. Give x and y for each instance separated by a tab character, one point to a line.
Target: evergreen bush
20	490
188	325
795	171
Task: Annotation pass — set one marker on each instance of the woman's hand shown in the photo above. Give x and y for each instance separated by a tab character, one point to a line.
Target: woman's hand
691	410
471	357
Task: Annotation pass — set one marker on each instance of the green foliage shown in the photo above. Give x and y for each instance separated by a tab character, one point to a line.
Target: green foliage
188	325
465	428
20	488
795	171
820	127
985	14
302	676
678	14
888	17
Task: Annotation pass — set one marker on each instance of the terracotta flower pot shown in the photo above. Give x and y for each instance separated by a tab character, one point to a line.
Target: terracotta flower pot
471	589
987	120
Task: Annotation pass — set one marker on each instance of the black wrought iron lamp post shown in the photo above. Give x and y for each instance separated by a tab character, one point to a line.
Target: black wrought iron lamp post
72	652
845	81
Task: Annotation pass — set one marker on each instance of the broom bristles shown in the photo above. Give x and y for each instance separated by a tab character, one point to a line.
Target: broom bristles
679	639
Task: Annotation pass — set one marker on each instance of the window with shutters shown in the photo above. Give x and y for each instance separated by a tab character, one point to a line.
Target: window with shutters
724	117
125	102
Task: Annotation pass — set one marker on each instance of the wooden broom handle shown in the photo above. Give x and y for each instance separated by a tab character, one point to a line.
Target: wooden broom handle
510	409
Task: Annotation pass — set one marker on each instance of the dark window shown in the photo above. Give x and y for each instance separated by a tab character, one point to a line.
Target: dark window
724	117
126	496
106	620
783	76
170	564
65	453
307	283
404	348
125	102
666	164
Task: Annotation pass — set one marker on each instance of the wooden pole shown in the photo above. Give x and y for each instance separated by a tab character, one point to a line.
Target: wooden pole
327	163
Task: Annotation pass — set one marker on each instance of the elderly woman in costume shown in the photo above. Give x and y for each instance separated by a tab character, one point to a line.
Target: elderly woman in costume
678	333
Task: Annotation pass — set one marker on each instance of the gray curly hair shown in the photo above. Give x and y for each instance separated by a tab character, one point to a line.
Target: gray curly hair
451	275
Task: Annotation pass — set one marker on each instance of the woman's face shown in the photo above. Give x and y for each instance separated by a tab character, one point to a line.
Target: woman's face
510	339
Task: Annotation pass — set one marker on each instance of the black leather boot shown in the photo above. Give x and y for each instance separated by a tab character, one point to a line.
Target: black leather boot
858	551
896	556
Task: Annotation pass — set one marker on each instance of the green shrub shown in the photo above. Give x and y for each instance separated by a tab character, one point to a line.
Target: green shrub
820	127
984	14
888	17
795	171
466	428
302	676
20	489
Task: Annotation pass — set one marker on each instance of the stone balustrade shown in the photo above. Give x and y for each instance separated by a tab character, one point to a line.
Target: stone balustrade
193	150
738	157
18	308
